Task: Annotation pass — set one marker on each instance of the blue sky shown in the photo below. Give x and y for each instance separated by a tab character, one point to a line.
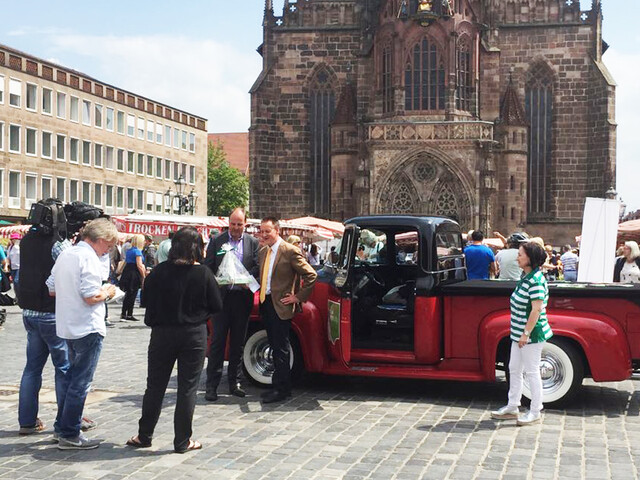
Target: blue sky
200	56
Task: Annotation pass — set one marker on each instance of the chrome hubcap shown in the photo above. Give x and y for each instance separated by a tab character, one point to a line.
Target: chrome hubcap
262	358
552	372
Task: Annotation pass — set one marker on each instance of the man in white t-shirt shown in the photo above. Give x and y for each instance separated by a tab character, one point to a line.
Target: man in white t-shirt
76	282
507	259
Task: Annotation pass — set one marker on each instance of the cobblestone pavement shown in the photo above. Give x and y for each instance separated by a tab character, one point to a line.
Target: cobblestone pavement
332	428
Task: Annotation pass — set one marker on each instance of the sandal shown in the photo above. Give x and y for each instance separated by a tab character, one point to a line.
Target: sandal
136	443
193	445
37	428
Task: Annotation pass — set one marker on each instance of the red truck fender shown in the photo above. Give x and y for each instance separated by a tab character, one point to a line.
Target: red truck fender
601	339
311	331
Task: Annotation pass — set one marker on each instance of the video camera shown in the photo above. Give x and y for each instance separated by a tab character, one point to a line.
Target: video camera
50	217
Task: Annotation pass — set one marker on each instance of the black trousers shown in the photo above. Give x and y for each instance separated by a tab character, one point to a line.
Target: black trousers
130	283
232	321
187	345
278	335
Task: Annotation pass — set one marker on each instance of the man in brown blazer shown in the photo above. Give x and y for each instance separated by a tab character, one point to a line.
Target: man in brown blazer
282	266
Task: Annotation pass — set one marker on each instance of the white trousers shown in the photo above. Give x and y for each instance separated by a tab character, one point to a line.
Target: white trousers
525	361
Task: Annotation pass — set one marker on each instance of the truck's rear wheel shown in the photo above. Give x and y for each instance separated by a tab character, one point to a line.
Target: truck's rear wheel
562	371
257	359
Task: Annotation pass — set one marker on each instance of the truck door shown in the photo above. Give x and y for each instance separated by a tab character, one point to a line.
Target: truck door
339	298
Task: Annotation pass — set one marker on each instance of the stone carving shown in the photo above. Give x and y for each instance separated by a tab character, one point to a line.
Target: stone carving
431	131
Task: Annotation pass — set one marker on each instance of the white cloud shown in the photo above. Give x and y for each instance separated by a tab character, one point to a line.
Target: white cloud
206	78
625	68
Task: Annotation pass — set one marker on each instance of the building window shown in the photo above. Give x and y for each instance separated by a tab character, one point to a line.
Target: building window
60	144
61	105
120	199
74	109
97	157
109	119
176	171
45	187
46	101
74	150
167	169
46	144
176	138
15	93
1	184
464	85
120	121
150	130
183	171
14	138
158	202
14	189
120	160
131	125
322	107
97	194
108	161
424	77
167	135
159	168
86	112
108	198
149	166
539	109
61	189
140	200
1	89
158	133
86	192
192	142
387	79
192	174
131	167
150	196
130	199
140	164
1	135
140	128
31	141
32	97
86	153
73	190
184	140
30	190
97	115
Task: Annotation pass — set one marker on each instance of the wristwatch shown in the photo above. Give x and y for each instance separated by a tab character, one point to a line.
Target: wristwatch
527	332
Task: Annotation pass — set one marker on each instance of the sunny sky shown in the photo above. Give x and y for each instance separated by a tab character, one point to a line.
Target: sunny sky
200	56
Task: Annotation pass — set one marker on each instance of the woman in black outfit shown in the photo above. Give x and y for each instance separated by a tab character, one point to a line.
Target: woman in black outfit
180	295
132	276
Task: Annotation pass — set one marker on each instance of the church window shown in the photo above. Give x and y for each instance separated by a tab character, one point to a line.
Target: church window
447	204
387	79
512	183
322	108
402	201
463	75
539	109
424	77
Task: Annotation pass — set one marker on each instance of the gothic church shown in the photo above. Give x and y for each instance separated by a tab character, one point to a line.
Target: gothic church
498	113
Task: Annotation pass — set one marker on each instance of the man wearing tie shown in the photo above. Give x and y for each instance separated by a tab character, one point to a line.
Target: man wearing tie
237	305
281	267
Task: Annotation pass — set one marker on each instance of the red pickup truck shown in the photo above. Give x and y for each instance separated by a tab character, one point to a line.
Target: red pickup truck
397	304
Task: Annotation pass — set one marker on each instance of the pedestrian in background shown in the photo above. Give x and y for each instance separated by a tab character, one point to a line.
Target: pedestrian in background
13	257
481	263
180	296
132	276
163	249
149	253
529	331
569	262
627	267
76	282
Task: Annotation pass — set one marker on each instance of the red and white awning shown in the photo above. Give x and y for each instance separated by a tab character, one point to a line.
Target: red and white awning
5	232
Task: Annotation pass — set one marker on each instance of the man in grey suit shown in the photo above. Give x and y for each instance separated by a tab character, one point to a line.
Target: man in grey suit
237	305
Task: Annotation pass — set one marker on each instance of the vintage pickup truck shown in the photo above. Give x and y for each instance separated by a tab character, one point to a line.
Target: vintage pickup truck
397	304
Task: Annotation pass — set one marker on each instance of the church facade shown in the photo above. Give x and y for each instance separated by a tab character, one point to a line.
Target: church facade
498	113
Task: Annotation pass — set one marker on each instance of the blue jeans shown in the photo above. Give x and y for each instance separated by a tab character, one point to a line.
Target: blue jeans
41	341
571	276
83	354
15	274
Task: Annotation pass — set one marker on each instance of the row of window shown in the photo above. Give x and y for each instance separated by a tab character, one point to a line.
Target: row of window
112	198
80	110
88	153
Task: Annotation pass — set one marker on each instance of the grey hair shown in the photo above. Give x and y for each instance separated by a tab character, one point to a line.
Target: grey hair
635	250
100	228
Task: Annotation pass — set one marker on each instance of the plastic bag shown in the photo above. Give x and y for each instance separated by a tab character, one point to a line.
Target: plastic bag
232	272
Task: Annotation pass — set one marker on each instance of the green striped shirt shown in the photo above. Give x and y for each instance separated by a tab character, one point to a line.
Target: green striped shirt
531	287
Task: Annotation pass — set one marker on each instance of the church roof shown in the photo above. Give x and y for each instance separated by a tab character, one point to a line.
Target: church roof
346	109
511	110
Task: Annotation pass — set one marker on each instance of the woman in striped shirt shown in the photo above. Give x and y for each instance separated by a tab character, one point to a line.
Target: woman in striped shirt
529	331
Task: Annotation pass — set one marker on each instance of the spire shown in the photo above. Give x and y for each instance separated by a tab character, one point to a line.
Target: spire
268	12
511	111
346	109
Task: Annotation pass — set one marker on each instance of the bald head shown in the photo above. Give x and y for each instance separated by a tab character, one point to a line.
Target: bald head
237	220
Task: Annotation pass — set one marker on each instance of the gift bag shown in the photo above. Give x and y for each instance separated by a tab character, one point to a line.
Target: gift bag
232	272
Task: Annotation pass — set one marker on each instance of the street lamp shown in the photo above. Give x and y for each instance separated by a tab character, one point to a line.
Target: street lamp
178	202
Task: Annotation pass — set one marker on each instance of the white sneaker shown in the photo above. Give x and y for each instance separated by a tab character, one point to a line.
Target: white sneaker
78	443
506	413
528	418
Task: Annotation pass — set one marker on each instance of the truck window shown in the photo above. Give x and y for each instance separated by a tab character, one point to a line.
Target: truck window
450	257
407	248
372	247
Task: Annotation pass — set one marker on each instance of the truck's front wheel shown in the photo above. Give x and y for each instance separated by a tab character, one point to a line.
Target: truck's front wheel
257	358
562	371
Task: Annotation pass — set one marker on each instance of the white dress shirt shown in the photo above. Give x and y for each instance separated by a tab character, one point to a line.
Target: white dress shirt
272	260
76	275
